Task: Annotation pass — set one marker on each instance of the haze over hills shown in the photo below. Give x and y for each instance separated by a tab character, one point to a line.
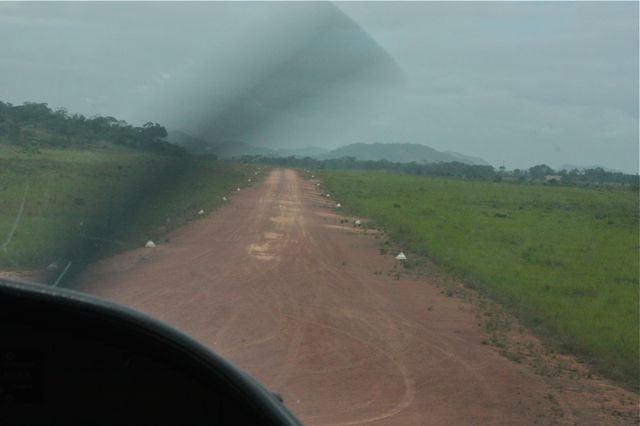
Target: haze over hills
309	151
394	152
344	72
230	149
190	143
468	159
399	153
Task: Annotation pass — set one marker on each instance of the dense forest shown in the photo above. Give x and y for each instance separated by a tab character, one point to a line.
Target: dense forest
35	125
536	174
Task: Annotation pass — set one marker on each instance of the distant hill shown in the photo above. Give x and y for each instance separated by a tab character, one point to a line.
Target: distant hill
467	158
399	153
230	149
190	143
226	149
394	152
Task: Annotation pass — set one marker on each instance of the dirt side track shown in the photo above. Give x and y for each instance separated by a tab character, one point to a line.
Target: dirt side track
274	283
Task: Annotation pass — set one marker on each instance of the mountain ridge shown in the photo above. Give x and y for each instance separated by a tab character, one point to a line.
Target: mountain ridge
394	152
400	153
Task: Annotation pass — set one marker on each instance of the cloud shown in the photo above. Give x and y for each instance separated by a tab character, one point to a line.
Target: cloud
524	82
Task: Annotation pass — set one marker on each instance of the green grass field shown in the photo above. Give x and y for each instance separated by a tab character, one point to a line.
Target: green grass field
563	259
84	202
71	196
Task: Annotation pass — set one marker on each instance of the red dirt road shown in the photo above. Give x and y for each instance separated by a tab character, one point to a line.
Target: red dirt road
274	283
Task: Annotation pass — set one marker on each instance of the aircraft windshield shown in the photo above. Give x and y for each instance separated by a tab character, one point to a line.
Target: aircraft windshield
387	213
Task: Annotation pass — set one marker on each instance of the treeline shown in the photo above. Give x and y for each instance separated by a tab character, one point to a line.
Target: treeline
34	125
598	175
453	169
536	174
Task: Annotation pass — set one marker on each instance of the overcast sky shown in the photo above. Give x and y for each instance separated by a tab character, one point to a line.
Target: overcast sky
523	83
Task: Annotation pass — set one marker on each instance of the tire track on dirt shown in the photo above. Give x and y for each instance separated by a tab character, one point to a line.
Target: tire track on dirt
276	284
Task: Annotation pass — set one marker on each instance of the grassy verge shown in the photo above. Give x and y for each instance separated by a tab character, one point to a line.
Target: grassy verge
70	198
564	260
80	203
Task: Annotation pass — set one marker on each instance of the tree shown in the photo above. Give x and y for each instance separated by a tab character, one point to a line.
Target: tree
540	171
13	132
59	128
153	131
31	112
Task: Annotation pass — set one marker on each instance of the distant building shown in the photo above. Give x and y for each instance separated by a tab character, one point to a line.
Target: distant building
553	179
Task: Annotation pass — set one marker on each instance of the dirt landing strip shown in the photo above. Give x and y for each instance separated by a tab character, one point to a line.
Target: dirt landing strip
274	283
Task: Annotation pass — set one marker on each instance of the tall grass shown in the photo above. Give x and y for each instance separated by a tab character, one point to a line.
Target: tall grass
72	197
563	259
82	203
